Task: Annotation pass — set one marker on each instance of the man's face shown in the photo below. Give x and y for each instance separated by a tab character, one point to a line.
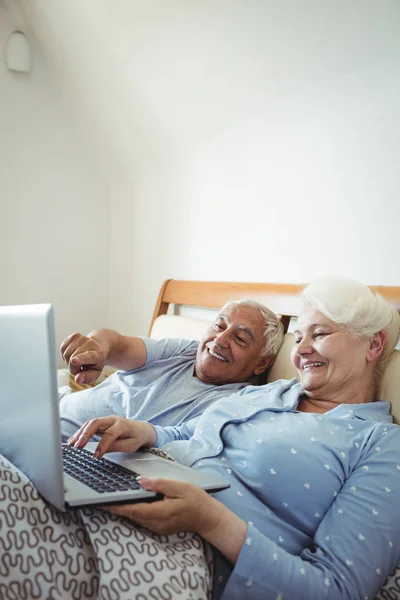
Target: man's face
231	348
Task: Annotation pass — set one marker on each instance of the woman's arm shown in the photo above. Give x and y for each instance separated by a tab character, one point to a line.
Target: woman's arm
117	435
355	547
126	435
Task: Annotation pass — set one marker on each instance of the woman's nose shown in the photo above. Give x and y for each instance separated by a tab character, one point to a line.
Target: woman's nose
304	346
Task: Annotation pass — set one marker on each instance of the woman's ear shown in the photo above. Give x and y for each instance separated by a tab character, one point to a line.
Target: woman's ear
376	345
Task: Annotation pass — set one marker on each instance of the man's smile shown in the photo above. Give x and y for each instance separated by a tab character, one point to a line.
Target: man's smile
215	354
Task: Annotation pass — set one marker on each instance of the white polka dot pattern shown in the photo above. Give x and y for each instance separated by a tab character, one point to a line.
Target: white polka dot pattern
315	485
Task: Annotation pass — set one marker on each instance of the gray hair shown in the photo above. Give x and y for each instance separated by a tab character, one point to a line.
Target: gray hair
273	328
355	306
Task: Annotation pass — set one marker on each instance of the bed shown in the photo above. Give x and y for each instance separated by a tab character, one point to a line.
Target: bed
172	319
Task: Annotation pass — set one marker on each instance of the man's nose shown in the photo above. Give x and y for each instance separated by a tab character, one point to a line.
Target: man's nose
222	338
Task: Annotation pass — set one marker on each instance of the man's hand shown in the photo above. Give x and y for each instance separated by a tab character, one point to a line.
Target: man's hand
186	507
85	356
117	435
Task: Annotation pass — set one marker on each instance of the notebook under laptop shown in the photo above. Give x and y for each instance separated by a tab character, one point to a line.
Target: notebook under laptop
29	418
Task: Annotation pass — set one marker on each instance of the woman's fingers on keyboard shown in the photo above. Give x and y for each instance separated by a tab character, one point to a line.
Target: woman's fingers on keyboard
106	442
124	435
117	434
91	428
74	438
119	429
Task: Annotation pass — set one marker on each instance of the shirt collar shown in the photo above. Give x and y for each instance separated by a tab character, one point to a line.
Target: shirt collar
283	395
369	411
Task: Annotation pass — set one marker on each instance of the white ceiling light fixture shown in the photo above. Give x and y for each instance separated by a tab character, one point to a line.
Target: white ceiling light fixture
18	53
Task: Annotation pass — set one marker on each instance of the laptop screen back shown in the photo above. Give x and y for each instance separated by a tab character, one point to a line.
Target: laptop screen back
29	422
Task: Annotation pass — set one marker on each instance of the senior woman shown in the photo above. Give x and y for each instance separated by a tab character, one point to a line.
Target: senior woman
312	511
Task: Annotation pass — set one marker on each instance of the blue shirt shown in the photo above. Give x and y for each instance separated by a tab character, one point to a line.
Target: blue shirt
165	391
320	493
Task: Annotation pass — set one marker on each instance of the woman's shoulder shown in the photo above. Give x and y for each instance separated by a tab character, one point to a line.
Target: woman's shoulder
382	442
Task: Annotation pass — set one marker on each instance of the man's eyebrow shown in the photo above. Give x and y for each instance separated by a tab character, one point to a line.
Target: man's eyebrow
241	327
221	316
246	330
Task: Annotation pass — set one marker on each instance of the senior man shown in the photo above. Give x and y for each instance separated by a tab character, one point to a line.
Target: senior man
169	381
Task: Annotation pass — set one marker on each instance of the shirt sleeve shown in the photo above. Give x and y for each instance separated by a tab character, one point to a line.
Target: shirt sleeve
175	433
356	545
167	347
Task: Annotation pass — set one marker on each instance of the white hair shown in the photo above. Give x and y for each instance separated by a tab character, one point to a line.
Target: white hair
355	306
273	328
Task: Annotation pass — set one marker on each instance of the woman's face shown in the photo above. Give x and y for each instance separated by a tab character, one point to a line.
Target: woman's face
328	357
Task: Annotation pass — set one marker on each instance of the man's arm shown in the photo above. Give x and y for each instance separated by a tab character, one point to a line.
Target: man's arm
86	355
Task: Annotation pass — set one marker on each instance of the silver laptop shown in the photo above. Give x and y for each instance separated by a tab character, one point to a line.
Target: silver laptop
30	428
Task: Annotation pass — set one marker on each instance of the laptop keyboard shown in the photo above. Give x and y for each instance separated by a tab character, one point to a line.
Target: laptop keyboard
100	474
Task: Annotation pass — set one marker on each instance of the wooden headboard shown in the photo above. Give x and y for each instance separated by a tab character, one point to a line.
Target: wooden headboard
282	298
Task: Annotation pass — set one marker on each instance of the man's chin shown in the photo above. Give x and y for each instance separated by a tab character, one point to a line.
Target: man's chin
217	377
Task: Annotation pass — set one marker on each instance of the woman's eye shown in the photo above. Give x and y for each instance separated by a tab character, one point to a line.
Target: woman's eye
319	334
297	341
217	326
240	340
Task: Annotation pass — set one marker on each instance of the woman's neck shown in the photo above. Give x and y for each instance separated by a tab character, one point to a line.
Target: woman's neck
311	403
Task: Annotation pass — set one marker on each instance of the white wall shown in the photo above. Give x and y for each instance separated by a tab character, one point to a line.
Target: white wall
51	194
245	139
285	149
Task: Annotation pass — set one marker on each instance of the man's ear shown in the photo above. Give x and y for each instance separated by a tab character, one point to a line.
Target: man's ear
265	362
376	346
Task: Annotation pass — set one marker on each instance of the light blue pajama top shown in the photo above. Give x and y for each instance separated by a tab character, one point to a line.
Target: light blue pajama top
320	493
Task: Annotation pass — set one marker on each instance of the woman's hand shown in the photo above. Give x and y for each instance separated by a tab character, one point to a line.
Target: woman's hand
186	507
117	435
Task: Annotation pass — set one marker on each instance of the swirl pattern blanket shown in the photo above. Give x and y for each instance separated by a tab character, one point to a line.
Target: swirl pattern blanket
88	554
